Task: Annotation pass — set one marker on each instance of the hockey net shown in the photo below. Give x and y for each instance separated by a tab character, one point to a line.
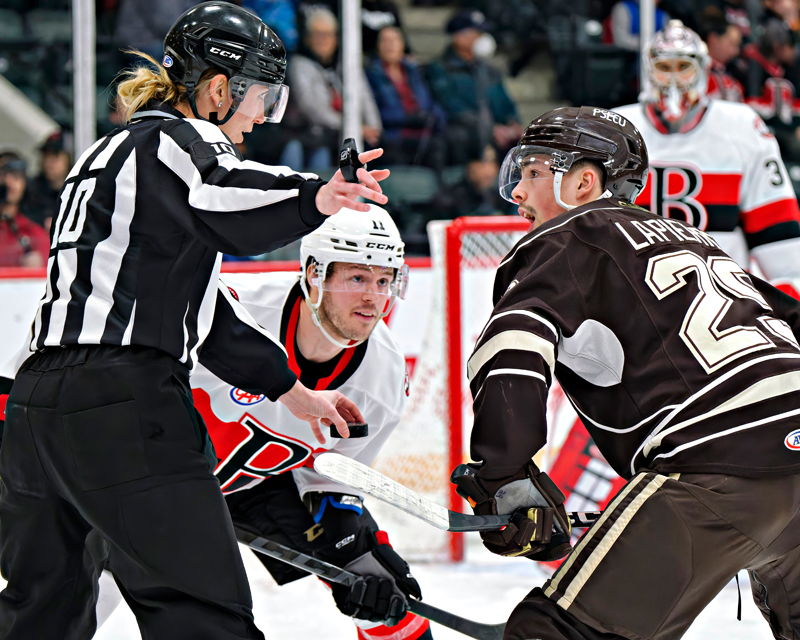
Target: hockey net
433	436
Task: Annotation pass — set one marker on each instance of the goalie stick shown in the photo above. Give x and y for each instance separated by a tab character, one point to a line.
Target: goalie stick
333	573
352	473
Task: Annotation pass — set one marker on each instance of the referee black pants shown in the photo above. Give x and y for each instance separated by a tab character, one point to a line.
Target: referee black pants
106	439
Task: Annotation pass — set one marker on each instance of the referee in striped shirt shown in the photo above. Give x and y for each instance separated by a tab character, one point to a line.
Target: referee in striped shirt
101	436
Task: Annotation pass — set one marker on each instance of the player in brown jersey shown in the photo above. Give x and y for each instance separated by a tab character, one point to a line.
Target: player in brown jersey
686	372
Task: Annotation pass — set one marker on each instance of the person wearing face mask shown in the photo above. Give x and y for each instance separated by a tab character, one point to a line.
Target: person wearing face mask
479	110
101	437
715	163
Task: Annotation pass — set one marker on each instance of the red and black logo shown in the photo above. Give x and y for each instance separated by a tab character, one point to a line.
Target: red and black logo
673	193
260	453
234	294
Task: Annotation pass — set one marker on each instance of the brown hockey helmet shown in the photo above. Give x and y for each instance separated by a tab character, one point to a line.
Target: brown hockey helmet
586	133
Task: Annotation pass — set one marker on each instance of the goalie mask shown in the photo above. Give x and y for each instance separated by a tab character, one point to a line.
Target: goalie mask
369	239
556	140
677	63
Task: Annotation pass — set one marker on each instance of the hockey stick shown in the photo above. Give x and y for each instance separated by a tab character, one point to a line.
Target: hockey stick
332	573
347	471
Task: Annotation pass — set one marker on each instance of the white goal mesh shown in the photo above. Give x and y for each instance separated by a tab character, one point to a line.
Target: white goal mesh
433	435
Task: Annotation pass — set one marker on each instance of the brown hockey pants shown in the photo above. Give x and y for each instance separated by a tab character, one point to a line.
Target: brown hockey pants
662	550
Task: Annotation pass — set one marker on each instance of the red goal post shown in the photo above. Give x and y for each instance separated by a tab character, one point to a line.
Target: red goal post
432	437
470	243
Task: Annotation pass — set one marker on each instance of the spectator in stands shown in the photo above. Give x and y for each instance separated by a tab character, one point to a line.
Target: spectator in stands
734	11
477	193
624	23
724	42
479	110
141	24
768	72
280	15
41	197
23	243
409	115
316	97
786	10
375	15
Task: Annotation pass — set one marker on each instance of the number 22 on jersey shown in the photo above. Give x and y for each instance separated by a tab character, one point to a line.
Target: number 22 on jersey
722	283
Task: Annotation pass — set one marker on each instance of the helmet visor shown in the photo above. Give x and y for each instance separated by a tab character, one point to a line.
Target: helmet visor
258	100
530	162
363	279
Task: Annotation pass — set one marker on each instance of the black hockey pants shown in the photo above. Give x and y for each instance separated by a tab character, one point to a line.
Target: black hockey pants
106	439
663	549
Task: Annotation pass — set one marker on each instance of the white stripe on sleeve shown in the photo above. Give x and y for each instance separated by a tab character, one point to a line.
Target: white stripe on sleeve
515	340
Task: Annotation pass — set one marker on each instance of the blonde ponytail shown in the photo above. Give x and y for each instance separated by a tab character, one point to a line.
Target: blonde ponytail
142	84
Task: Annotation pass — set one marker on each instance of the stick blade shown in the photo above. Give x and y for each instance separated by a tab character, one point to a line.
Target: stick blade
347	471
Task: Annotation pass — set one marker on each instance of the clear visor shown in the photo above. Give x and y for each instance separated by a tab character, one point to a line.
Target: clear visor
258	100
529	162
682	72
365	279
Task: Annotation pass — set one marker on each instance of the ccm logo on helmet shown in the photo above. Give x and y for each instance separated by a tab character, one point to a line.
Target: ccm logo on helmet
380	245
226	54
792	441
610	115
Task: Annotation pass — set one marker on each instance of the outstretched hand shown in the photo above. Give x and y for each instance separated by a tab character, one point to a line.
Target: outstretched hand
329	406
339	194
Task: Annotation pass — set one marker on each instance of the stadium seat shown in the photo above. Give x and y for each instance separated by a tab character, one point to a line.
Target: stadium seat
50	26
410	185
11	26
452	175
32	93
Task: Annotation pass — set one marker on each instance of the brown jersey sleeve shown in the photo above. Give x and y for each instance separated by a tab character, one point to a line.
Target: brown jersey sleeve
512	366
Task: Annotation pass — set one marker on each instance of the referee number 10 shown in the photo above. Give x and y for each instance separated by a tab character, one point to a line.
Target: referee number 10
69	224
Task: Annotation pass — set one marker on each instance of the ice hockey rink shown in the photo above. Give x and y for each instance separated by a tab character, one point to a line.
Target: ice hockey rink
485	588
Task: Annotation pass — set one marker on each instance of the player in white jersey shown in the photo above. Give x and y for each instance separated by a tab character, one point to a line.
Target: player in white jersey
329	319
715	164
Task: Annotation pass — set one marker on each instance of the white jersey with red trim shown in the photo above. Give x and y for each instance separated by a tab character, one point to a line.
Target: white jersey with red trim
725	176
255	438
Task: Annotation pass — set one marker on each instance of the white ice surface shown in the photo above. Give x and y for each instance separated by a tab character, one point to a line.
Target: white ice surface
484	589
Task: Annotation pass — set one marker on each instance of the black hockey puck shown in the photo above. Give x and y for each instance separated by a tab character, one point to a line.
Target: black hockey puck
357	430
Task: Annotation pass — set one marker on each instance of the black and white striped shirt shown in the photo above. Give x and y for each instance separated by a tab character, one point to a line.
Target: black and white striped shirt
674	358
136	247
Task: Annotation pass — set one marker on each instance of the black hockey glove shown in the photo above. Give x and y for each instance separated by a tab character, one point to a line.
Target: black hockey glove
540	528
384	583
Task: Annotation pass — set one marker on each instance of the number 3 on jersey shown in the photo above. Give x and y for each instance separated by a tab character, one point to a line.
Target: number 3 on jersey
711	346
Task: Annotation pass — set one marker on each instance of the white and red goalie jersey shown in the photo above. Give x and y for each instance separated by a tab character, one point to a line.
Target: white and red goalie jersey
255	438
725	176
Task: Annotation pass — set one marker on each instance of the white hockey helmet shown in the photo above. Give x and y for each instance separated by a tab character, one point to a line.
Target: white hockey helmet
677	63
355	237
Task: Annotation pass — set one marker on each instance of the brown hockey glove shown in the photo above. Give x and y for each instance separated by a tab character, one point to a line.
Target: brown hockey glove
540	528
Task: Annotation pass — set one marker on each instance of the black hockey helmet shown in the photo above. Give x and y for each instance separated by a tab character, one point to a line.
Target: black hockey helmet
222	36
570	134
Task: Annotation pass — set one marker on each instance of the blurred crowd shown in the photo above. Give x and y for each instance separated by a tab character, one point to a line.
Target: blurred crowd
445	125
